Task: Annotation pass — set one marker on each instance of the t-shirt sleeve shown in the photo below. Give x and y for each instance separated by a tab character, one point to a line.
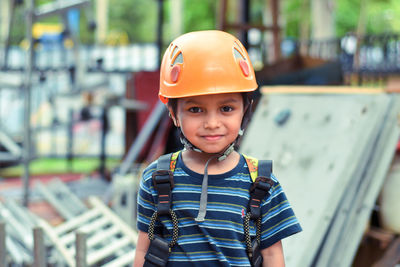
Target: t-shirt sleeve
145	199
278	218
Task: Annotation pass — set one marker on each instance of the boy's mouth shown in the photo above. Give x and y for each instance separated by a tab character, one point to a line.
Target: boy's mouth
212	137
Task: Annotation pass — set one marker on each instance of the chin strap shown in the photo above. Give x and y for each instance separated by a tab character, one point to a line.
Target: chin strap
203	197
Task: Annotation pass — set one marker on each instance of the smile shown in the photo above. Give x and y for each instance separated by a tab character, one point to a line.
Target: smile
212	137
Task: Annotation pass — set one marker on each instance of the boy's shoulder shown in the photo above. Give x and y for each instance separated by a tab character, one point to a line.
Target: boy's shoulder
258	167
149	170
172	159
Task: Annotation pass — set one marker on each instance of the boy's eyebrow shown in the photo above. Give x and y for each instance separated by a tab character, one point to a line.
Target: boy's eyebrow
224	101
230	100
189	102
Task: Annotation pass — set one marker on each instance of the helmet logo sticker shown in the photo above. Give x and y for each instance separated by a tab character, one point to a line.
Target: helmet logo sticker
244	67
175	73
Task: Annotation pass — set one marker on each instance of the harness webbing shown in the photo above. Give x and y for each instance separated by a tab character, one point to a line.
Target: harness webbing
163	182
159	249
258	191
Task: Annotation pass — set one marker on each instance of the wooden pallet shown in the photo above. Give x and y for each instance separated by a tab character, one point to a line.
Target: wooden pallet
94	227
67	204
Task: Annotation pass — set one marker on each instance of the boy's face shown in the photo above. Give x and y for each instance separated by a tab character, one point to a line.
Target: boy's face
210	122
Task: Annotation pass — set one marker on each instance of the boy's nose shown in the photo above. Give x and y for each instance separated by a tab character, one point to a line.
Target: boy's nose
212	121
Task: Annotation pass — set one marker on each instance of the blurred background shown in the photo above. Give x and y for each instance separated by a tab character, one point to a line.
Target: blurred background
80	117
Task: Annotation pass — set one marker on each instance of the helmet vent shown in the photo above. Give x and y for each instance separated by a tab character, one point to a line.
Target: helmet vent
174	51
237	54
178	59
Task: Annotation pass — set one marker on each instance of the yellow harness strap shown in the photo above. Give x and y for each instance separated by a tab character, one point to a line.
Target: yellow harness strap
174	158
252	164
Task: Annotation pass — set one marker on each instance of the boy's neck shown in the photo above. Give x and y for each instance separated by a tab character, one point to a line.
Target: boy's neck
196	161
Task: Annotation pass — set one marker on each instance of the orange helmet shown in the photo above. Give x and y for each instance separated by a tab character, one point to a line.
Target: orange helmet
205	62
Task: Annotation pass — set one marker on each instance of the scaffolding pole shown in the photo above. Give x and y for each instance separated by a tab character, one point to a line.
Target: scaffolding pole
27	99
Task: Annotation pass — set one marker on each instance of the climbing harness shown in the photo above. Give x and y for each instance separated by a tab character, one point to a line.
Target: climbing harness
260	172
159	249
163	181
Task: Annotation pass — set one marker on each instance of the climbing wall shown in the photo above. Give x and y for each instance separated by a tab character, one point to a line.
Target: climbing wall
331	152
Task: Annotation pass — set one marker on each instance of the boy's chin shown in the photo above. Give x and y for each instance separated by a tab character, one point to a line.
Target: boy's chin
206	151
213	151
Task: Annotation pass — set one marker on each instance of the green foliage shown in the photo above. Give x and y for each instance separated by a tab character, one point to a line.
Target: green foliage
199	15
383	16
136	18
18	29
291	11
43	166
347	14
256	12
86	35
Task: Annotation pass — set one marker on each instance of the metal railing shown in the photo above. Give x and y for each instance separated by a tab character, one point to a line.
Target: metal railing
54	57
370	54
367	54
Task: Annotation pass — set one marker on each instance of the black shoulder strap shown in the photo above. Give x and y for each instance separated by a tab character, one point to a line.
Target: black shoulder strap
163	181
258	191
163	162
260	188
265	168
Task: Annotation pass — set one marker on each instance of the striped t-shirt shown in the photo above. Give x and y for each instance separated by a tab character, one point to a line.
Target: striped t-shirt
219	240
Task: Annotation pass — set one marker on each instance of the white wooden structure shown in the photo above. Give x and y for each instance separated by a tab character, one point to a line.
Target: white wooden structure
98	225
67	204
124	194
18	223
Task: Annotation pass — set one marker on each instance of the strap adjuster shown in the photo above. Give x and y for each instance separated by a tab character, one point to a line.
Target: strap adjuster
258	191
163	181
262	183
163	176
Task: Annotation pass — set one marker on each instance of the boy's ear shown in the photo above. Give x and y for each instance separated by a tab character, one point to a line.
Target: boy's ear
172	116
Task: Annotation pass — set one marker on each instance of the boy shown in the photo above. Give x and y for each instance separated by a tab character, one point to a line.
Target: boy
206	79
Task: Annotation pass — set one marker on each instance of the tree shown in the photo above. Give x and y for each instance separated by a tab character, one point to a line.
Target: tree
136	18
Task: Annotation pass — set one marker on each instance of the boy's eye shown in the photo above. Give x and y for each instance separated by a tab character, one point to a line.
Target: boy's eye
195	109
226	109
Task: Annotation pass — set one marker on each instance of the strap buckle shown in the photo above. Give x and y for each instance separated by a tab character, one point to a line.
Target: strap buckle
258	191
163	181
